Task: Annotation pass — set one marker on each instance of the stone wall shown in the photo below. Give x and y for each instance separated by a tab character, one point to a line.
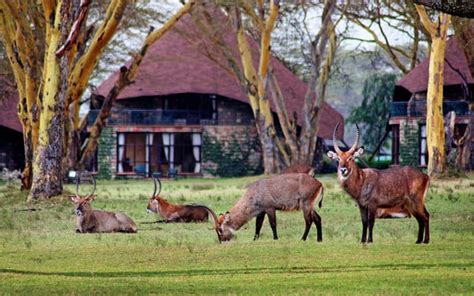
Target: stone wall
232	112
409	142
231	151
106	153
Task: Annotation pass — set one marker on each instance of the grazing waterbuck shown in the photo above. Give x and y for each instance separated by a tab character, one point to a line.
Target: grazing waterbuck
91	221
393	192
176	213
283	192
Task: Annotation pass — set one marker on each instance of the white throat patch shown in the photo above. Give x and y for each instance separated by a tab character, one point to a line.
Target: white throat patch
341	178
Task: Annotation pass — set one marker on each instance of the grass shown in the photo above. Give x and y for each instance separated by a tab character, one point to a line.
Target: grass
40	253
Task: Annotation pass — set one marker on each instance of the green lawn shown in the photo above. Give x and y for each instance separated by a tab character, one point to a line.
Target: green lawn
40	252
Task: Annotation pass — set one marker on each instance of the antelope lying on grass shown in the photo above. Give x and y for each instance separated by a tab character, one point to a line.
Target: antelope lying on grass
284	192
177	213
393	192
91	221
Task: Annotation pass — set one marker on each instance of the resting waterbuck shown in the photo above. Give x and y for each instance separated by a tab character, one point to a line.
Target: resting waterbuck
176	213
91	221
284	192
393	192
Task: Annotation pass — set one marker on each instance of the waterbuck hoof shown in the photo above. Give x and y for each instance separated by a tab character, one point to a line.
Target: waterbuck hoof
418	242
319	240
426	241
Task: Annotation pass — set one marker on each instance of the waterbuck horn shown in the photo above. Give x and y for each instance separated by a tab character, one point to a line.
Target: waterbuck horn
93	190
356	142
156	180
334	141
77	186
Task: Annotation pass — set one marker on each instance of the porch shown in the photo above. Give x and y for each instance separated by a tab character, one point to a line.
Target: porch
417	108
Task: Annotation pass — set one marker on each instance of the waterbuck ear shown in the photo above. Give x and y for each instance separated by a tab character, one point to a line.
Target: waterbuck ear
359	152
74	198
332	155
91	198
226	217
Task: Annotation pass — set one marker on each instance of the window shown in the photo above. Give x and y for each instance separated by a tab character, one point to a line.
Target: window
396	144
423	151
131	156
187	155
148	153
180	151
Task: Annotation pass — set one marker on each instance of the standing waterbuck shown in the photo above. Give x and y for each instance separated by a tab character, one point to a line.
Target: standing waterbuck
284	192
91	221
393	192
177	213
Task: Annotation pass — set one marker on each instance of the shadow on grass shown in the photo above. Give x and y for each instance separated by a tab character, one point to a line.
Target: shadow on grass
242	271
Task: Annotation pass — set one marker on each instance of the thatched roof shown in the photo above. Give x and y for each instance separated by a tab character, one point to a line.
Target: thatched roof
456	70
184	60
9	105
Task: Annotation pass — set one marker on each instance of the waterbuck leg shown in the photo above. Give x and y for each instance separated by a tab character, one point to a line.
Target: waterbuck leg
364	218
258	225
421	227
371	222
309	221
427	226
273	222
317	222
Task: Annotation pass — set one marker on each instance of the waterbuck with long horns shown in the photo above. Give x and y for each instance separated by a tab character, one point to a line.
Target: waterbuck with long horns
92	221
284	192
177	213
393	192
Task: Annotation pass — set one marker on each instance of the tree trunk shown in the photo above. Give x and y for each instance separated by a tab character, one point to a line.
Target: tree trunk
434	108
26	176
47	162
435	133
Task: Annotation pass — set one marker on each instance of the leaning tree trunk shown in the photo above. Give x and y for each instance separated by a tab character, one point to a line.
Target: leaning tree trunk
434	101
434	109
47	162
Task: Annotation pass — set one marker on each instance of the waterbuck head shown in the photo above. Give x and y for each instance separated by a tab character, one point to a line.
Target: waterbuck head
223	229
153	204
82	204
345	159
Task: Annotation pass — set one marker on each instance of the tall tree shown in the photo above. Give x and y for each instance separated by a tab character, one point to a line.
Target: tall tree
53	73
373	113
52	60
261	85
434	113
381	17
126	77
461	8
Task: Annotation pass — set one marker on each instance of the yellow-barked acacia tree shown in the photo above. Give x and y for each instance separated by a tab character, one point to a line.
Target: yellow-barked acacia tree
52	56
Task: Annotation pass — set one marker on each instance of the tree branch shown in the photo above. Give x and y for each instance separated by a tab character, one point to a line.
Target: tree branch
463	8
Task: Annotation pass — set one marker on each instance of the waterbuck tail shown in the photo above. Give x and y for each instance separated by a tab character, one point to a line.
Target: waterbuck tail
321	200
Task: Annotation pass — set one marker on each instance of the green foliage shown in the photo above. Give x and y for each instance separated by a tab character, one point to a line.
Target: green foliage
230	159
40	252
379	164
373	113
409	147
104	154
